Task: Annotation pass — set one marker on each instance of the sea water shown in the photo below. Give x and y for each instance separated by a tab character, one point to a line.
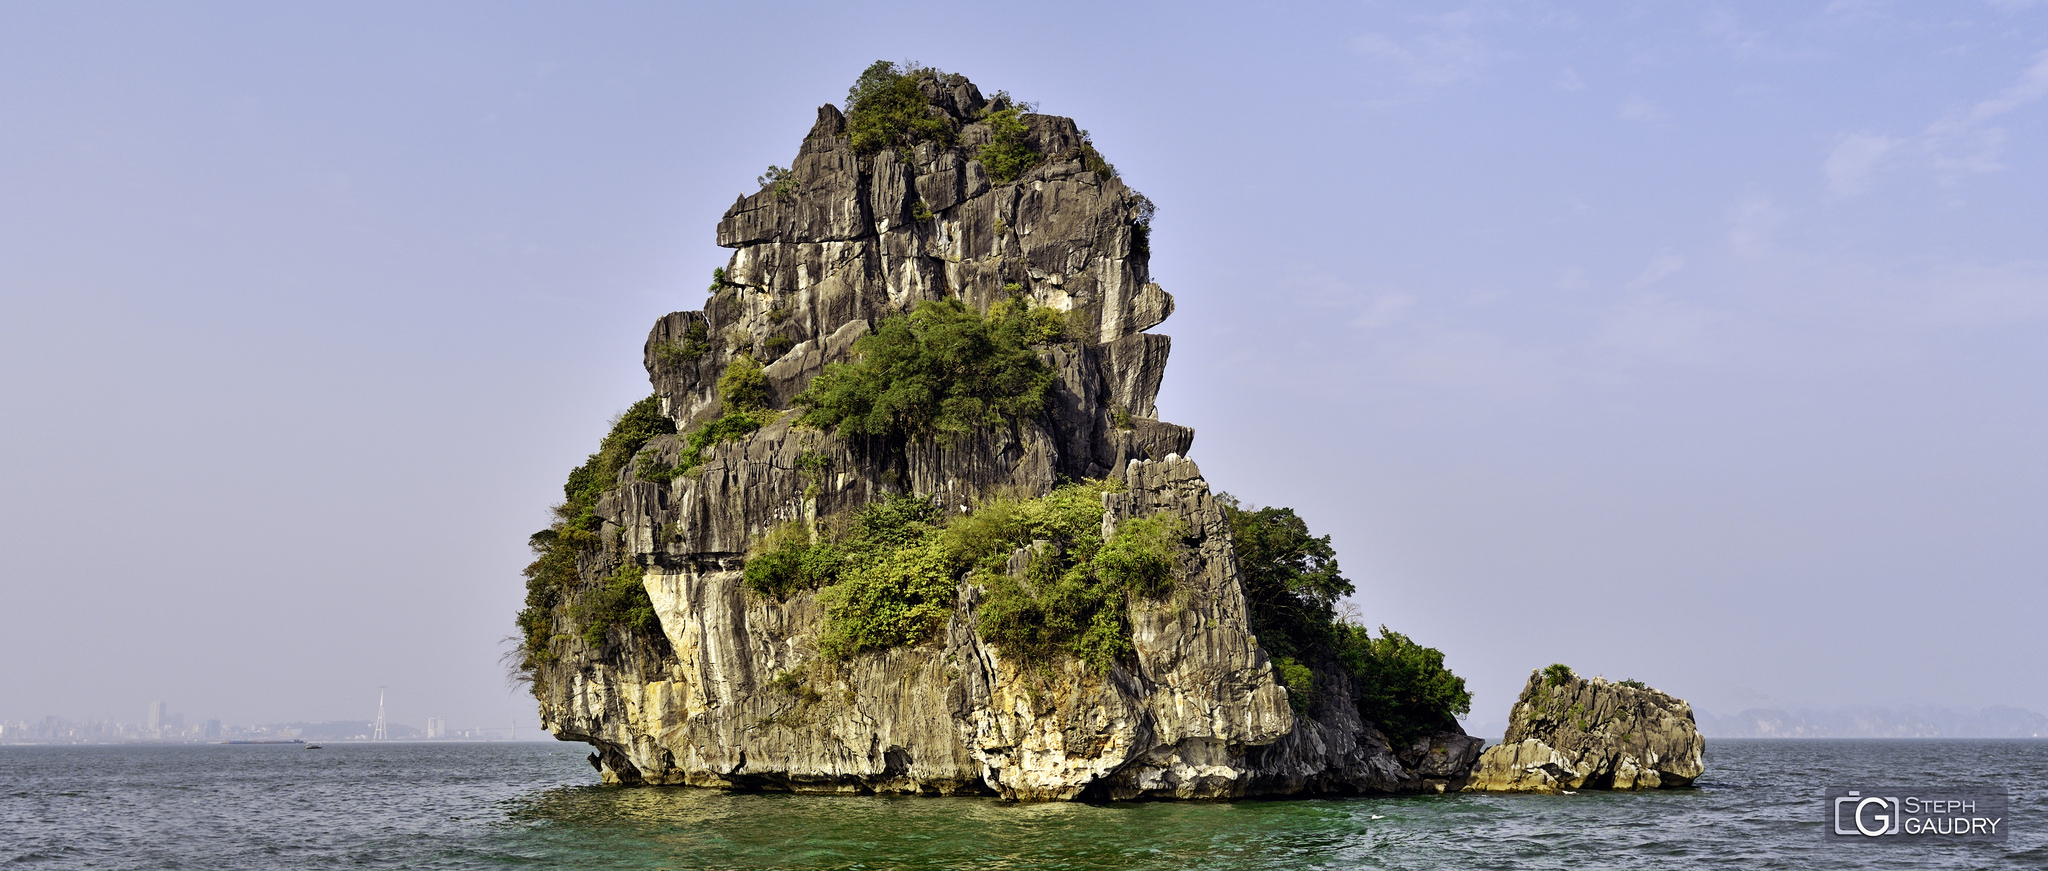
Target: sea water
538	806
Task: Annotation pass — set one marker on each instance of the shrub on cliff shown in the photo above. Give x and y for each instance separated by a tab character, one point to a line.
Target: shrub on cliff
743	391
896	580
630	432
1074	596
942	369
743	387
1009	152
621	600
886	580
1291	585
558	548
885	109
696	342
890	577
1401	685
1291	579
789	559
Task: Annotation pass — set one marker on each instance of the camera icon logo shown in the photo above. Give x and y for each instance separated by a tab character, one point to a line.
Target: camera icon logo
1872	816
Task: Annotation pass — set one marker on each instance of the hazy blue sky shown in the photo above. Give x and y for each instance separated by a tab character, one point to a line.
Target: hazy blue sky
1697	343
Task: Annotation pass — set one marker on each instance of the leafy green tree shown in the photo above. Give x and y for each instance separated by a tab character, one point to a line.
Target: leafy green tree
885	109
1401	685
1291	579
878	77
1292	584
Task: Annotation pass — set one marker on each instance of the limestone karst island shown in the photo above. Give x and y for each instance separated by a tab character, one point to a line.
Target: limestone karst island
900	517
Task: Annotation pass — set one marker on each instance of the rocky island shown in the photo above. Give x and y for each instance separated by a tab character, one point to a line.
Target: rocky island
900	516
1567	732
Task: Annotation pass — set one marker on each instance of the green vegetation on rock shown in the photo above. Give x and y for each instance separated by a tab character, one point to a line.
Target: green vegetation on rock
743	391
1556	673
728	427
695	344
620	601
885	109
720	282
1300	681
743	387
942	369
573	537
1092	160
1291	579
1292	584
1073	598
1401	685
891	576
1009	152
780	178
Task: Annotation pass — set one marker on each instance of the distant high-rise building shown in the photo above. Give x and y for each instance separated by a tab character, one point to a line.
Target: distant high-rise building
156	718
210	730
436	728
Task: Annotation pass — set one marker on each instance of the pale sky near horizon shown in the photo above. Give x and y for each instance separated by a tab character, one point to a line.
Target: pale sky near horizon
1700	343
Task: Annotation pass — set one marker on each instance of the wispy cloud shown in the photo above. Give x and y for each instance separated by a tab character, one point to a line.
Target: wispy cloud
1663	264
1432	59
2033	85
1722	24
1752	223
1568	80
1476	362
1640	108
1661	327
1849	7
1748	43
1849	167
1384	310
1967	141
1437	51
1977	295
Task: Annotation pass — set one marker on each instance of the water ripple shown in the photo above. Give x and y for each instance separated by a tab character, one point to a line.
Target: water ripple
532	806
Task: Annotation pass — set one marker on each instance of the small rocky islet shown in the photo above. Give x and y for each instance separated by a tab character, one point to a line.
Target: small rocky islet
900	518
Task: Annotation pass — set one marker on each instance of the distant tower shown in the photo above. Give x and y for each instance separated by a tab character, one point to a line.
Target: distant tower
379	735
156	718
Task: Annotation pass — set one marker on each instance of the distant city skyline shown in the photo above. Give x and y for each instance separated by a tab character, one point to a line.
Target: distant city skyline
160	724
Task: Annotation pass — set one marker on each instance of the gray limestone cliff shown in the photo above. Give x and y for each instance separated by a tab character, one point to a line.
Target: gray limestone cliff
733	691
1568	732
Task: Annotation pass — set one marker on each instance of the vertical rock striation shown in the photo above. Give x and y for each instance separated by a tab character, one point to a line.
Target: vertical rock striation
734	692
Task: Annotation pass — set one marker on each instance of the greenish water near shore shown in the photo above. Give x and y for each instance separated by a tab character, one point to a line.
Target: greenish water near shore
534	806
